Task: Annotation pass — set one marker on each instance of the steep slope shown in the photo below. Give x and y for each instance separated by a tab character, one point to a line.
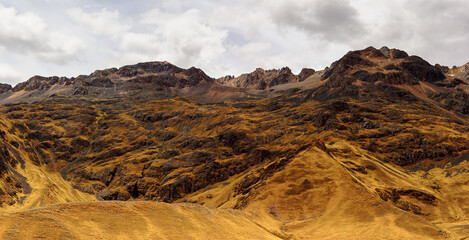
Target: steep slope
25	184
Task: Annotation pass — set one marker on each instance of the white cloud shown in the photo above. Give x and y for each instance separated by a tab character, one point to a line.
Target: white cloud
8	74
104	22
435	30
27	33
183	39
20	27
253	55
248	21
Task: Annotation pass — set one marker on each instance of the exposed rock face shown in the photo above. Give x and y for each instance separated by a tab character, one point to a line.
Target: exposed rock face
422	70
99	82
156	75
352	59
79	90
40	83
444	69
37	83
104	73
454	101
411	70
12	183
359	73
5	88
148	67
260	79
393	53
305	73
394	196
164	74
461	72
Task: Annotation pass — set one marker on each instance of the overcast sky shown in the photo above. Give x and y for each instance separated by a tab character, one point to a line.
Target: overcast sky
72	37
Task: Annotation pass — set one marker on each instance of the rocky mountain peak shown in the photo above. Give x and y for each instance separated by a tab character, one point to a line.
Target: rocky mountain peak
461	72
393	53
5	88
40	83
104	73
148	67
358	72
391	66
305	73
156	75
260	79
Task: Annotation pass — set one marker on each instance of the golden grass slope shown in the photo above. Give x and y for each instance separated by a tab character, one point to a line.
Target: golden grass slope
47	187
132	220
316	196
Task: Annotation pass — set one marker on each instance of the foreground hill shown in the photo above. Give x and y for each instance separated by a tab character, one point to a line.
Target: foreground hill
375	146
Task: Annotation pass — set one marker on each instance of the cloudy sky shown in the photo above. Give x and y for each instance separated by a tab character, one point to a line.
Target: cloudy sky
72	37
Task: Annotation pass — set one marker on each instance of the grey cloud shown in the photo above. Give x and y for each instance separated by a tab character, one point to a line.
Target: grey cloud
334	20
433	29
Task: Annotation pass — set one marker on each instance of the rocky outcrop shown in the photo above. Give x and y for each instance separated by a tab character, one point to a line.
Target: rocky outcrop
260	79
371	72
104	73
351	60
163	74
395	197
453	101
5	88
148	67
411	70
36	83
99	82
40	83
305	73
393	53
422	70
155	75
461	72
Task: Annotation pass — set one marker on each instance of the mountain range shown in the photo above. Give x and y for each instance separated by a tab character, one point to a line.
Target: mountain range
376	146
